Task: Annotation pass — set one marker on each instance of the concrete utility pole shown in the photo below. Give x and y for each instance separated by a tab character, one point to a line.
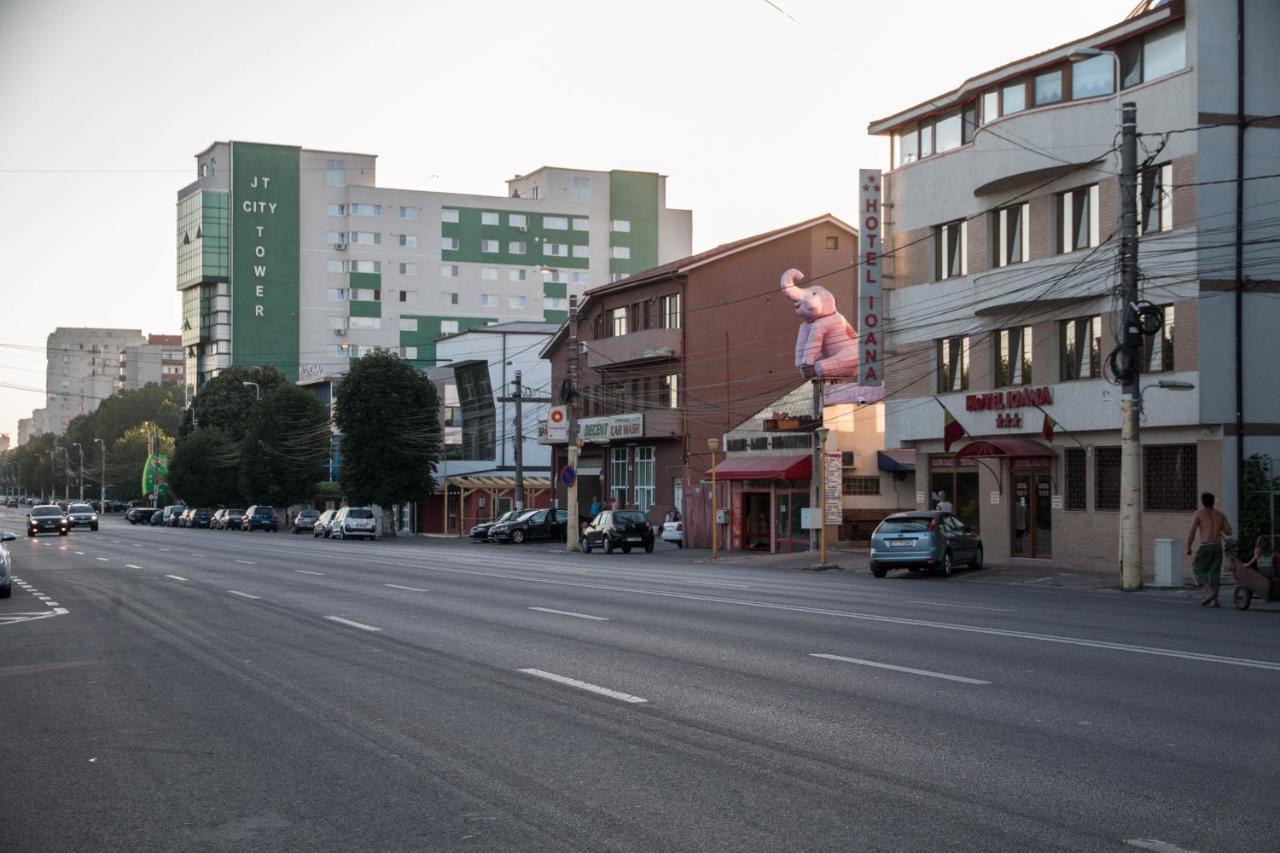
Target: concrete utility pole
1131	348
80	447
518	397
816	497
66	476
571	497
102	486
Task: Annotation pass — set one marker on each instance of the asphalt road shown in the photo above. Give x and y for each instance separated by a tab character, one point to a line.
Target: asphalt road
205	690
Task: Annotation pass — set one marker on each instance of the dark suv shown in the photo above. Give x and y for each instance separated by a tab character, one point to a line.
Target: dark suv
618	528
199	518
260	518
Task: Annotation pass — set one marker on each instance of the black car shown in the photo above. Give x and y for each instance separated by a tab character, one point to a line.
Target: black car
480	532
230	519
260	518
157	518
48	518
139	514
532	524
618	528
198	518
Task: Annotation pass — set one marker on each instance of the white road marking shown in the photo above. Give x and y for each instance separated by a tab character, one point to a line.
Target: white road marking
176	577
131	566
569	613
246	562
1156	845
197	555
720	583
360	625
582	685
79	553
243	594
103	559
137	544
1040	580
305	572
926	672
409	588
964	606
158	548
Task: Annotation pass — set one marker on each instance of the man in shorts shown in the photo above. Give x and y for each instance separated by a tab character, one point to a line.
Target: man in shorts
1212	525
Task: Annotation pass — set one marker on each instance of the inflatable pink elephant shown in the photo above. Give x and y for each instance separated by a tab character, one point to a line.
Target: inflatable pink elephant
826	345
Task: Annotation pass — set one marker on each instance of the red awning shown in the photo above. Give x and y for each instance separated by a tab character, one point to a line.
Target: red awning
790	467
1004	447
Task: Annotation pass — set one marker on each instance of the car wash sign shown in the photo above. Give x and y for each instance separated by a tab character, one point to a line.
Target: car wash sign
264	248
870	251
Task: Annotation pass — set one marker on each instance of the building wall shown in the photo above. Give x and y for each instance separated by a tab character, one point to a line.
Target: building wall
82	367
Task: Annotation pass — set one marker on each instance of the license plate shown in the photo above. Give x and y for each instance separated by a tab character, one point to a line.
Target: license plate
901	543
634	539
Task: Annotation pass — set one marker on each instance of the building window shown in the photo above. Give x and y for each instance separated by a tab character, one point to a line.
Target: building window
1169	478
968	122
409	297
366	294
990	106
450	297
1078	212
671	311
365	322
556	250
1164	51
1013	357
1092	77
335	266
410	353
953	364
489	273
489	217
490	247
581	251
449	270
577	278
335	238
1076	465
408	324
1157	349
517	220
618	475
1155	199
580	224
1106	478
618	322
408	241
448	244
555	223
337	294
833	242
620	252
861	485
1013	97
670	391
905	147
555	303
646	471
448	214
581	189
366	209
366	238
1012	237
335	175
1048	87
621	226
408	213
517	275
516	247
337	210
408	269
517	302
1081	352
951	250
364	266
448	327
947	132
488	300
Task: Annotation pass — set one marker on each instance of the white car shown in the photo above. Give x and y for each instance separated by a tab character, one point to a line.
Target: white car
673	531
355	522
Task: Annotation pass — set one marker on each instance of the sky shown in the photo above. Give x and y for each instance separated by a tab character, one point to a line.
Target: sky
757	110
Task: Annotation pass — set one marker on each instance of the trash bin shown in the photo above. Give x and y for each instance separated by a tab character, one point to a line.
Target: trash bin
1168	564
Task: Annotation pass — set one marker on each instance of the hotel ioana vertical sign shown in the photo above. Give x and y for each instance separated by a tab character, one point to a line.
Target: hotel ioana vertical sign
870	250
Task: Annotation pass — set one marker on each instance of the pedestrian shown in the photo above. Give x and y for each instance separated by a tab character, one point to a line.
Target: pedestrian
944	505
1212	526
595	506
1264	557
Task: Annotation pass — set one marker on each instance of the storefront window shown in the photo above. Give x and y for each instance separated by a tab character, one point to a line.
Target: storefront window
618	475
959	480
645	471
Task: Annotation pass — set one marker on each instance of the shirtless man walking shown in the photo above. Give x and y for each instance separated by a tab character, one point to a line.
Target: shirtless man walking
1212	525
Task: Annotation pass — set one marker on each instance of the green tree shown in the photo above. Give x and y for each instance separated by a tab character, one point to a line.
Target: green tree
225	401
204	470
126	459
389	417
1255	515
285	447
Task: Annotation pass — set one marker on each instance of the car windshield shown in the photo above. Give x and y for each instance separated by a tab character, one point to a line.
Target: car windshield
81	508
360	513
633	517
531	515
46	511
906	524
308	513
235	512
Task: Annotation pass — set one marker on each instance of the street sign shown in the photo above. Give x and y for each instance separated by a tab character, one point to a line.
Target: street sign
568	475
558	424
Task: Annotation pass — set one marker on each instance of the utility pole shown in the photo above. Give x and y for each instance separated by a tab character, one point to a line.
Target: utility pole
816	497
1131	348
102	486
53	482
518	397
66	476
80	447
571	357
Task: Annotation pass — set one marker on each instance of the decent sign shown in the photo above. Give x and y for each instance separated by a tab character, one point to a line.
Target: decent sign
870	336
617	427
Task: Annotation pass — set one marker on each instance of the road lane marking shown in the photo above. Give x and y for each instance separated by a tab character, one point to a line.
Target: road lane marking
79	553
158	548
131	566
409	588
243	594
360	625
570	613
926	672
305	572
103	559
246	562
1156	845
196	555
719	583
964	606
582	685
176	577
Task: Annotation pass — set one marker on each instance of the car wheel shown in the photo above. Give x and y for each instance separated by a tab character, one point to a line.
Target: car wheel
976	562
93	527
608	545
679	543
878	571
946	568
584	546
648	549
63	532
517	536
6	592
31	534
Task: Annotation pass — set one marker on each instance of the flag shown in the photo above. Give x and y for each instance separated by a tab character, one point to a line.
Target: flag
952	431
1046	431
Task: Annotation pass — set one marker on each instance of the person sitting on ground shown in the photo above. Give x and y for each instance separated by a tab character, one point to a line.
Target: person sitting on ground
1264	558
1212	526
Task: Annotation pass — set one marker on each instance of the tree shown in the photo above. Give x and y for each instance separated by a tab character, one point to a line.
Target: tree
1256	514
225	401
285	447
126	459
389	417
204	470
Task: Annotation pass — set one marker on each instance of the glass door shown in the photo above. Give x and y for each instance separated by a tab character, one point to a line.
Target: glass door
1031	516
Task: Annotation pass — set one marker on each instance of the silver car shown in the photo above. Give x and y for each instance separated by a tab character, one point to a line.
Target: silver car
6	566
82	515
933	541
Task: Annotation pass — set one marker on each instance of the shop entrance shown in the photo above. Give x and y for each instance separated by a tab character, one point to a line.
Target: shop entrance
792	537
1031	510
755	524
959	479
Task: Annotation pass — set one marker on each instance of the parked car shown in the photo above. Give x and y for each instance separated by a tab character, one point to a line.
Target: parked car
260	517
172	513
231	519
480	532
355	522
157	518
305	520
618	528
183	518
936	541
324	524
83	515
673	531
12	503
532	524
48	518
200	517
6	565
138	514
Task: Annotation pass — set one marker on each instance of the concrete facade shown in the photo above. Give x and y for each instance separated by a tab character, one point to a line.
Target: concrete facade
158	361
82	369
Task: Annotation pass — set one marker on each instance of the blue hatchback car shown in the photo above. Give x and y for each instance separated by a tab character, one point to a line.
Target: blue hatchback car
933	541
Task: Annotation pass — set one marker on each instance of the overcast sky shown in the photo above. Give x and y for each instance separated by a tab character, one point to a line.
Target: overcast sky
756	111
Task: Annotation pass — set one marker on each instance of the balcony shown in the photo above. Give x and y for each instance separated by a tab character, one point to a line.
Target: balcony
638	347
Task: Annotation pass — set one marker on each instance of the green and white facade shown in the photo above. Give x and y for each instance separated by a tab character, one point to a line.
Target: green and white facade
294	257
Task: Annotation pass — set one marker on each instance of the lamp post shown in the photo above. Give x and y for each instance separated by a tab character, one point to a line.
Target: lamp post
102	486
713	444
1082	53
257	390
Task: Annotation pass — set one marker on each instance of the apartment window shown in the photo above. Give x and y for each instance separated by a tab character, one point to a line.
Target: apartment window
1013	357
449	270
450	297
408	324
926	140
556	250
555	276
617	276
1081	353
646	470
491	247
580	224
335	175
1013	97
1092	77
1011	237
448	327
860	485
1047	87
951	248
408	297
968	122
448	214
517	302
1076	465
1164	51
1157	349
905	147
990	106
489	217
410	353
947	132
335	238
489	273
364	266
517	220
337	294
337	210
555	303
618	321
581	251
1169	478
366	238
517	247
335	266
953	364
670	391
1106	478
555	223
408	213
365	322
408	269
671	311
1155	199
366	294
618	475
621	226
488	300
449	244
517	275
581	189
366	210
621	252
1078	212
408	241
833	242
578	278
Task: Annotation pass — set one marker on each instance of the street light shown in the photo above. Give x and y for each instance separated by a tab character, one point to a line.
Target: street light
257	391
713	444
1080	54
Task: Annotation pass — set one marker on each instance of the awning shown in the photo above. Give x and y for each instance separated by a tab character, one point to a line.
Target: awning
749	467
589	470
491	481
1010	447
896	461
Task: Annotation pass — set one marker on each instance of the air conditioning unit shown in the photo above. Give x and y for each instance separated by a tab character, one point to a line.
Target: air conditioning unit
342	333
340	247
848	458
